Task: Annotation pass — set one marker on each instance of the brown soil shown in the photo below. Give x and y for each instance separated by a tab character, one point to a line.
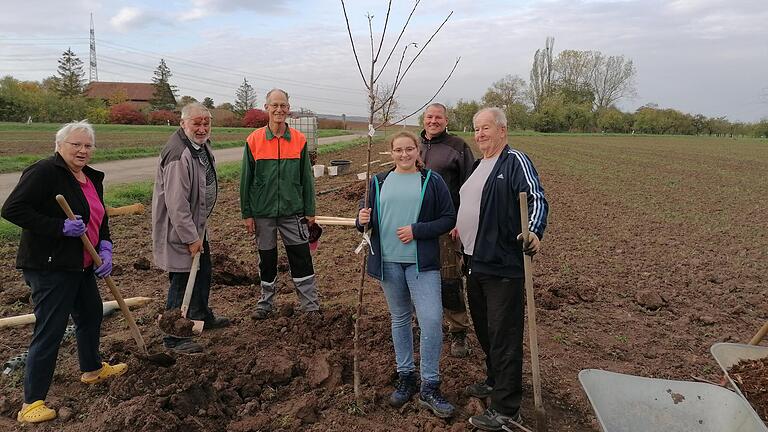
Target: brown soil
173	324
752	378
616	289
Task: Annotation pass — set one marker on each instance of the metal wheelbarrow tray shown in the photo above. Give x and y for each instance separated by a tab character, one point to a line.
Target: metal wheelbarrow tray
728	355
627	403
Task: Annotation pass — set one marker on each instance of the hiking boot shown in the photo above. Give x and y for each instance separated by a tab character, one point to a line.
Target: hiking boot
186	346
480	390
261	314
431	398
459	347
405	388
492	420
217	322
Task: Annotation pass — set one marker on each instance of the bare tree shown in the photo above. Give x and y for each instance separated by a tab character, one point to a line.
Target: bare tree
505	92
389	110
541	74
613	78
370	81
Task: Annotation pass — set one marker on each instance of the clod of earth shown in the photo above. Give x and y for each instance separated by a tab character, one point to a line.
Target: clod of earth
227	271
650	300
173	324
752	378
142	264
15	292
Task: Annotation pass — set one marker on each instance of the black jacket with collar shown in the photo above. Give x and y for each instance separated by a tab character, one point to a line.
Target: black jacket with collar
32	205
449	156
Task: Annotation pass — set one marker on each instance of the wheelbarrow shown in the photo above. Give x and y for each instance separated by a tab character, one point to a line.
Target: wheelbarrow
728	355
628	403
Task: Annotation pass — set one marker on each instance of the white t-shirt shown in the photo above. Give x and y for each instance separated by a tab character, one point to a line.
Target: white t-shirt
469	210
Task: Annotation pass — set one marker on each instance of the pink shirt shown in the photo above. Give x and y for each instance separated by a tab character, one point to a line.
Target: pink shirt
97	215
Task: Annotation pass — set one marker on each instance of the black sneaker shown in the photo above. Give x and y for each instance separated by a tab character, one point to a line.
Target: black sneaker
186	346
431	398
480	390
405	387
492	420
217	322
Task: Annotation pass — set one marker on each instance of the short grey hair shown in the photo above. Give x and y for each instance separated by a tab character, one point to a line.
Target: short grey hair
269	93
437	105
498	115
66	130
194	107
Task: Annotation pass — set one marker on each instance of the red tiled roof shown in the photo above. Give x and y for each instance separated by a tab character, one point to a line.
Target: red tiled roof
135	91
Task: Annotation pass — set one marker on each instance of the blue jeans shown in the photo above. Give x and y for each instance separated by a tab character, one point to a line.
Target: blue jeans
407	289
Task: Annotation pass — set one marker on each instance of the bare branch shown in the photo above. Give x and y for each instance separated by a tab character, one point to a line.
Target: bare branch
397	83
397	77
430	99
352	41
370	32
394	46
383	32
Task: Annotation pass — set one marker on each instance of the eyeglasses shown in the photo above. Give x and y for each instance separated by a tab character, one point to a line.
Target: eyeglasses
281	106
401	150
79	146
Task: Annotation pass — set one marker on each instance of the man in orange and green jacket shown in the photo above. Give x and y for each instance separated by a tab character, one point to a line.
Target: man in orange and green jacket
277	192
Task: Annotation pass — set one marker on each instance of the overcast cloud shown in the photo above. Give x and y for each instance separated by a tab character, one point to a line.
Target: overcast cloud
699	56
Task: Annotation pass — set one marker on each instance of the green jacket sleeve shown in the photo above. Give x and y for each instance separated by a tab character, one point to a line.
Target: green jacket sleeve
246	177
307	182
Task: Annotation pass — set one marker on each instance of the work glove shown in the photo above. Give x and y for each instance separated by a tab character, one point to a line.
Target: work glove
105	253
74	228
531	246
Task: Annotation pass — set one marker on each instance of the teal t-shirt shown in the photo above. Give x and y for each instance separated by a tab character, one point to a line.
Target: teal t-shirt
399	205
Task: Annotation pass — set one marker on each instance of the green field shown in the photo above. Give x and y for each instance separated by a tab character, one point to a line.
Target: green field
21	144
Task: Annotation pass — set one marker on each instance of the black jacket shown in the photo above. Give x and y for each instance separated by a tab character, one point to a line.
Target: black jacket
449	156
497	251
32	205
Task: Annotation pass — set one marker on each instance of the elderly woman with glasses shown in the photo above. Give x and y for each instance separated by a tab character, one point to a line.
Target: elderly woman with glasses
55	264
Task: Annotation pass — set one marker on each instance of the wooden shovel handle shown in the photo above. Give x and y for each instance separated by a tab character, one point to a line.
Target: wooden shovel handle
760	335
530	304
110	283
190	285
137	208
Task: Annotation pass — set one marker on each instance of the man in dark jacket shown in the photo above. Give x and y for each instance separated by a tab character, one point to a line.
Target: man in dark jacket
489	225
452	158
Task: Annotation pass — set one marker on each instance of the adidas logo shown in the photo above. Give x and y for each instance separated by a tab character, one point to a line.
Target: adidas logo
500	176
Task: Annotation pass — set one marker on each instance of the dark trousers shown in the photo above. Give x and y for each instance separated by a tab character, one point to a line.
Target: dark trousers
198	304
57	295
497	309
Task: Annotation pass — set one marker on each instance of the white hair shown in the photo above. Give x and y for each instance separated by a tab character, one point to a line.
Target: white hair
498	115
66	130
269	93
194	107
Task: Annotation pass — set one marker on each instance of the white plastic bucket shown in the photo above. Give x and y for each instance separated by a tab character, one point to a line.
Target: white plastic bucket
361	176
333	170
318	170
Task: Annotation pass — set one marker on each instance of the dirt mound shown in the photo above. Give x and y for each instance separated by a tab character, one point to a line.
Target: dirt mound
228	271
752	378
353	191
172	323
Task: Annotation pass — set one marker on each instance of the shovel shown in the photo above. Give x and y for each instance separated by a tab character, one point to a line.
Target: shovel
541	414
197	325
161	359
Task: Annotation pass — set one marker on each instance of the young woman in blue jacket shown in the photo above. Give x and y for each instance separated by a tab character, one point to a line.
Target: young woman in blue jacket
408	209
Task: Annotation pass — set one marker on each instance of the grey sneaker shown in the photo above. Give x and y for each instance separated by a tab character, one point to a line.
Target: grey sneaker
492	420
480	390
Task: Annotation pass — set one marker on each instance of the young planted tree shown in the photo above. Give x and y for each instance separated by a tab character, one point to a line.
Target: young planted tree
165	93
71	77
245	98
380	104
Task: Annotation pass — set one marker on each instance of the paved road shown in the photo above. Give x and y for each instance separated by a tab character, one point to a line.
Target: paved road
131	170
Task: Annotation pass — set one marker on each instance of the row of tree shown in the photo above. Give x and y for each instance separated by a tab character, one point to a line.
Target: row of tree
577	91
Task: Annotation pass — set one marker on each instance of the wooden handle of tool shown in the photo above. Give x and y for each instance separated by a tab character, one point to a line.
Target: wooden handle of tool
111	284
760	335
137	208
190	285
332	220
541	416
21	320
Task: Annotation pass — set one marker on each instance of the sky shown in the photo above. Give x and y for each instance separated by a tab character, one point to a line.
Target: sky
697	56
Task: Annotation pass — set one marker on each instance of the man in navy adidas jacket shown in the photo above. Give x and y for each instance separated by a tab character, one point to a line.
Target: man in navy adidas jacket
488	224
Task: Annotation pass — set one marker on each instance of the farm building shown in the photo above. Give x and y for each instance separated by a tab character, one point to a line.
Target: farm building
138	94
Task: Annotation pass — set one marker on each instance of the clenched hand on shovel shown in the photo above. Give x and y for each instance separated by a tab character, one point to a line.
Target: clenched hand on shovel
531	245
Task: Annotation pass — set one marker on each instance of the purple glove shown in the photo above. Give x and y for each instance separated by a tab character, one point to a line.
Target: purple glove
74	228
105	253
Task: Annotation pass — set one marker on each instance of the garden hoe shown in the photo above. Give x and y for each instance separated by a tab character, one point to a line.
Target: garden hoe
161	359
